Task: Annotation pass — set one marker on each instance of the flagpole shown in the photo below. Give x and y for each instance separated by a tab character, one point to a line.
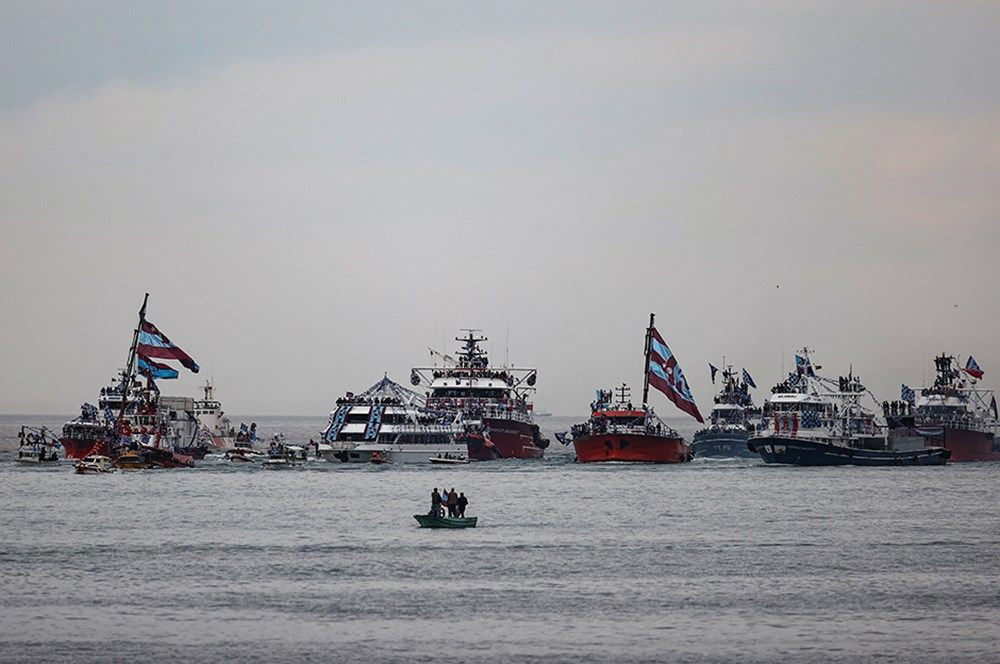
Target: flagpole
128	372
645	374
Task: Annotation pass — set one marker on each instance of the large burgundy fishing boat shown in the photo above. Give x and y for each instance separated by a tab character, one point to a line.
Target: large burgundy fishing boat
493	401
132	417
955	414
621	431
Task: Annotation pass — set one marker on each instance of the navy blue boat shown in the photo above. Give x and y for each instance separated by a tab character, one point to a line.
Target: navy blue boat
805	452
810	420
731	421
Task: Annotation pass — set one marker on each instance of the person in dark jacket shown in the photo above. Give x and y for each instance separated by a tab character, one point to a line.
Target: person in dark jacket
435	502
463	502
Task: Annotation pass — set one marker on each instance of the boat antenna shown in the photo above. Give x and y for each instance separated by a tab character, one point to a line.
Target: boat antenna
645	373
506	349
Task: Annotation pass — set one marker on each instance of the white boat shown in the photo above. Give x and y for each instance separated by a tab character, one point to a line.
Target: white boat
243	451
215	426
388	423
94	464
36	446
281	455
449	460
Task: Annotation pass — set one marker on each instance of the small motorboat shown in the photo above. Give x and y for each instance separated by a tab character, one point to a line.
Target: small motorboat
36	446
285	456
131	460
449	459
431	521
243	451
94	465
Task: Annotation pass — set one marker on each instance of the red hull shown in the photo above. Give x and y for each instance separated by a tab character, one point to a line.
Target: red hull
967	445
76	448
510	439
631	447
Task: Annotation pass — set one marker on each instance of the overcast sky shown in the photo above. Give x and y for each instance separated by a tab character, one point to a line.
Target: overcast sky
315	193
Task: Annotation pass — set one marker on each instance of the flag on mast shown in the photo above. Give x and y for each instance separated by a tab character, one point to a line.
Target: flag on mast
748	380
714	369
665	374
972	368
153	343
148	367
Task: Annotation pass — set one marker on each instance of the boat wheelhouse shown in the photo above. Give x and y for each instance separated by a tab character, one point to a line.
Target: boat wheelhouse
810	420
492	402
389	423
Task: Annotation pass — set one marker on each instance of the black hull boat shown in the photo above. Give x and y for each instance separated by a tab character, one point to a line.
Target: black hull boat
803	452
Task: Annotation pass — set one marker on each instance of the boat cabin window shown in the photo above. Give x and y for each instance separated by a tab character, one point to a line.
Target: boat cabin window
467	393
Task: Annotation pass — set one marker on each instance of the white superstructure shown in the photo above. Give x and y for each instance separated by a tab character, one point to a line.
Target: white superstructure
388	422
215	426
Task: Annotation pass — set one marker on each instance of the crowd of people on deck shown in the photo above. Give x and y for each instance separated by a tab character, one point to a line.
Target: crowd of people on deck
453	501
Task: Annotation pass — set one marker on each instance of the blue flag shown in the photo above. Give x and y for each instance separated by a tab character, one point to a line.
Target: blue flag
907	394
714	369
748	380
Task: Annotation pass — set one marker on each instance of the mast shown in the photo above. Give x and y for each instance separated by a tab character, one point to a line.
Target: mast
128	373
645	373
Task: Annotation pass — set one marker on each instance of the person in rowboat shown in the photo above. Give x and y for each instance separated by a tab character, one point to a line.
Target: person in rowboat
452	503
463	502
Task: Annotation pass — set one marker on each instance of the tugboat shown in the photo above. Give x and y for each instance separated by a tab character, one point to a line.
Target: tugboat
810	420
491	402
732	419
955	414
622	432
36	445
133	417
388	423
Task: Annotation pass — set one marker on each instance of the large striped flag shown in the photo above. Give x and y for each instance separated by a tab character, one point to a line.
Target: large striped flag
153	369
153	343
665	375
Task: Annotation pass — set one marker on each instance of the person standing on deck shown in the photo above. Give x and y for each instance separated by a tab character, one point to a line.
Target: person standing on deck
435	502
452	502
463	502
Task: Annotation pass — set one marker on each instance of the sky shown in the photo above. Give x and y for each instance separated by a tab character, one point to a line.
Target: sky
315	193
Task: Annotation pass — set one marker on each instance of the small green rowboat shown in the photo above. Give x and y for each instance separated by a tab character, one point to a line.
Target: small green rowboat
428	521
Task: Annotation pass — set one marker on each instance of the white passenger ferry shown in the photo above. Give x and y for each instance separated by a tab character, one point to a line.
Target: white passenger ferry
389	423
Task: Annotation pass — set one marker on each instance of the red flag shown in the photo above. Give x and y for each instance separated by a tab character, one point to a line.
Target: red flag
665	375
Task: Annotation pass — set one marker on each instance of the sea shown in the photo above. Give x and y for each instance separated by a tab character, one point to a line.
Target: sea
711	561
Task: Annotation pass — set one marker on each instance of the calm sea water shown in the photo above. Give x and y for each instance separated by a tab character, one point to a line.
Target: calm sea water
704	562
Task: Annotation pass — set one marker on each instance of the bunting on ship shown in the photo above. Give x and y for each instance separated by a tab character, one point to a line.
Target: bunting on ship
665	374
153	343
